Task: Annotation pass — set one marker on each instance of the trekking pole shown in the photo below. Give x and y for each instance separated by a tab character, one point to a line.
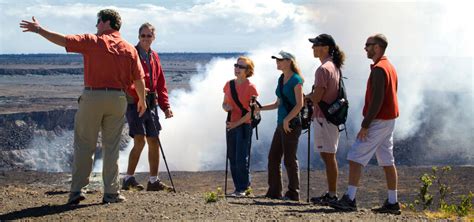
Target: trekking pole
226	153
309	163
309	104
166	164
162	152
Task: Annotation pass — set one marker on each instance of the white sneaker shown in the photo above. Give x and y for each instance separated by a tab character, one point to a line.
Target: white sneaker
237	194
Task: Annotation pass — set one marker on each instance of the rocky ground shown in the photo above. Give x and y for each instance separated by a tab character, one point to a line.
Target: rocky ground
30	195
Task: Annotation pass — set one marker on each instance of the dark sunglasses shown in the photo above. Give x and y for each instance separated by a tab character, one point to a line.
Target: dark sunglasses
369	44
146	36
240	66
98	21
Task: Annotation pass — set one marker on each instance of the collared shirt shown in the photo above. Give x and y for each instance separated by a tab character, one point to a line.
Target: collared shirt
151	64
109	61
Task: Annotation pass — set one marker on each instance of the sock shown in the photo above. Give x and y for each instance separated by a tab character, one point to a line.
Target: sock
153	179
332	194
351	191
127	177
392	196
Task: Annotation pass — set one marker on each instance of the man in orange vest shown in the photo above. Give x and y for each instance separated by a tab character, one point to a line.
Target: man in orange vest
376	133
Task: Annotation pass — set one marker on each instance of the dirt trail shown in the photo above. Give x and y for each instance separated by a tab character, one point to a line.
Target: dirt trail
41	196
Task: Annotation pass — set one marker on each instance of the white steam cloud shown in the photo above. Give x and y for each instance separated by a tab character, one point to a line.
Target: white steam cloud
430	44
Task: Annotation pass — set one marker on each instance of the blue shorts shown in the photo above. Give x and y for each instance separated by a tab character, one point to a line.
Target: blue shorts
148	125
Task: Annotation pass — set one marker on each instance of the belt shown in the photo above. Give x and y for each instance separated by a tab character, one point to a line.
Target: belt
101	89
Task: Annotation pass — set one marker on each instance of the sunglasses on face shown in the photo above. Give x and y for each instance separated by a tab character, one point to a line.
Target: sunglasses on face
98	20
146	36
239	66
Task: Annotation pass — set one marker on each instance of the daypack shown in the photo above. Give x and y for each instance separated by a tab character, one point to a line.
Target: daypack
304	117
254	117
336	112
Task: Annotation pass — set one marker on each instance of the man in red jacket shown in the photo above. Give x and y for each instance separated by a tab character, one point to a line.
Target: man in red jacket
110	66
148	125
376	133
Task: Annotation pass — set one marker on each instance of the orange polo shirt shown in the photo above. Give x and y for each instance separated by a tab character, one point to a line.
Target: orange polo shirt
109	61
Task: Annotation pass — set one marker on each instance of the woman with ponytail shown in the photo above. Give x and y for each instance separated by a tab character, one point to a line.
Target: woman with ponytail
326	134
289	102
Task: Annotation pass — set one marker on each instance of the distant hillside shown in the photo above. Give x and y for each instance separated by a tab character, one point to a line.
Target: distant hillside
56	64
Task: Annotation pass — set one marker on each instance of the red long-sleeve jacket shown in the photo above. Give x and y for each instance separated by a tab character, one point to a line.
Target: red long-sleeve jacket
159	82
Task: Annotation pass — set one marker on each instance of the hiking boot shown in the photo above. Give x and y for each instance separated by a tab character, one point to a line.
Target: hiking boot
344	204
323	200
158	186
131	183
272	196
388	208
113	198
76	197
292	195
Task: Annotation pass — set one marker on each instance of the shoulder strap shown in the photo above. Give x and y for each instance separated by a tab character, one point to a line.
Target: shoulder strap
342	89
233	91
284	99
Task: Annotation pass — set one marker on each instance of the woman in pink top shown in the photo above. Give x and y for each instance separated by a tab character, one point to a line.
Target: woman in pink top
239	130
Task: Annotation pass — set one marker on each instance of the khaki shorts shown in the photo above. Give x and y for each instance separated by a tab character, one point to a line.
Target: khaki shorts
379	141
326	136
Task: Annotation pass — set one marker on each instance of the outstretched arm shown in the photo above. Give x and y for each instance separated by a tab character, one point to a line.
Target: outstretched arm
34	26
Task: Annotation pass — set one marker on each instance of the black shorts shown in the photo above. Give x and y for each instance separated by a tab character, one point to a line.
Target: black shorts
147	125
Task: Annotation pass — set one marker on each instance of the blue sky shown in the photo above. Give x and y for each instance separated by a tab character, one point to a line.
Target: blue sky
244	25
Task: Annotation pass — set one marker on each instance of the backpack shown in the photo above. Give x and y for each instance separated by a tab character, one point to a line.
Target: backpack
254	117
304	117
336	112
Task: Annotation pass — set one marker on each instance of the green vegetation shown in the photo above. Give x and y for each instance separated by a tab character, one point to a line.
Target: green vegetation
211	197
425	198
248	191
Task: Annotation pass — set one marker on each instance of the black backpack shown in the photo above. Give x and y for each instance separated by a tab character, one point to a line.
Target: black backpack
304	117
255	117
336	112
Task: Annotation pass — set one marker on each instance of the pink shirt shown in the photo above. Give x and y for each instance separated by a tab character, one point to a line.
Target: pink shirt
245	91
327	77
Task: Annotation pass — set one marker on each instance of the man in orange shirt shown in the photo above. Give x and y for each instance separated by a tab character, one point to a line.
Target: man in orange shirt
111	65
376	133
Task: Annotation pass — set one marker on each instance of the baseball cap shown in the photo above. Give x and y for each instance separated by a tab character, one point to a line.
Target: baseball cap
283	55
323	40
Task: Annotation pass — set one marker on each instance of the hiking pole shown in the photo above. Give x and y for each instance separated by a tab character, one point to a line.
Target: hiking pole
309	163
309	105
162	152
226	153
166	164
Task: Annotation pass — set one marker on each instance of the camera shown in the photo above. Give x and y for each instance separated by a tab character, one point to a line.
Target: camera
151	100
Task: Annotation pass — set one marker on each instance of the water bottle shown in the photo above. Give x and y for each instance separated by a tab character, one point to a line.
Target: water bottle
335	107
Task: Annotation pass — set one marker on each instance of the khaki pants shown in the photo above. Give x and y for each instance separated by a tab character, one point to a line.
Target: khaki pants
98	110
283	145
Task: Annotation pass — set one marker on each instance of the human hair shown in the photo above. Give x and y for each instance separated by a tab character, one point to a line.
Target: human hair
294	67
338	56
147	25
250	65
381	40
112	16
